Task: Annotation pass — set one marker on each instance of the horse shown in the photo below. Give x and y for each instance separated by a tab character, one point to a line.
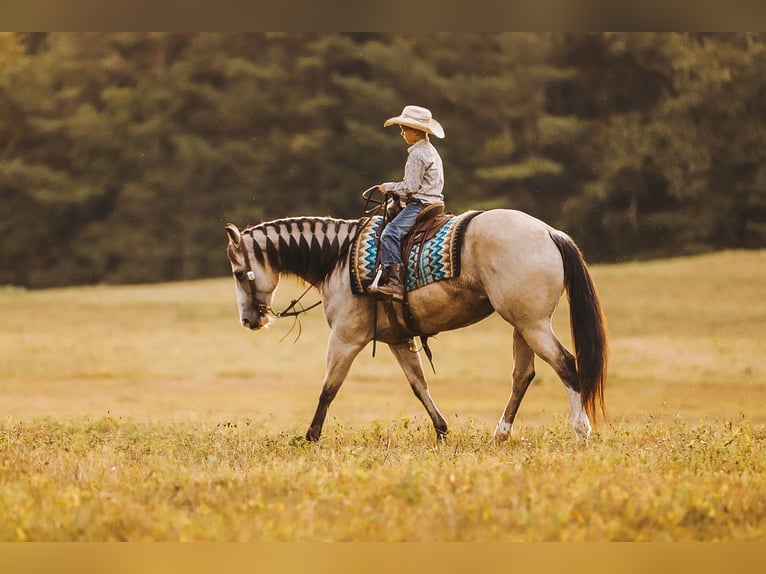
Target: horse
512	263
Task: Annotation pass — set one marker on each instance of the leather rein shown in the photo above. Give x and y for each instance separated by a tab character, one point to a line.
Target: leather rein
290	311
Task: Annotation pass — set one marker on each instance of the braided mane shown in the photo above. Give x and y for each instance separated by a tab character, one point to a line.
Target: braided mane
309	247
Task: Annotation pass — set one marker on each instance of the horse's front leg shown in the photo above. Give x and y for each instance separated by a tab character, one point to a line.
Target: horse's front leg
340	355
413	367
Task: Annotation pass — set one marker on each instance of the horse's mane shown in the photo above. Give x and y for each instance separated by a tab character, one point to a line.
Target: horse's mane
310	247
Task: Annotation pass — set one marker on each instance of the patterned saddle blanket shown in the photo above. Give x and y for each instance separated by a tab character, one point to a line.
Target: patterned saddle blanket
434	255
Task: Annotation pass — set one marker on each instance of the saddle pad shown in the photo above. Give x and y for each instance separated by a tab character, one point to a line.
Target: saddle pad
436	259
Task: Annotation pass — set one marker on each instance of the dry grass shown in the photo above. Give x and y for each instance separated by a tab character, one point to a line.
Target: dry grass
108	479
147	413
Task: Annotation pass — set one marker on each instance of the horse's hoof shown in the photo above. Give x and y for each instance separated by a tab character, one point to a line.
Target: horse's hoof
501	438
582	431
502	432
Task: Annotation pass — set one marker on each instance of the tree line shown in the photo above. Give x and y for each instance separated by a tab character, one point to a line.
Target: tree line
123	154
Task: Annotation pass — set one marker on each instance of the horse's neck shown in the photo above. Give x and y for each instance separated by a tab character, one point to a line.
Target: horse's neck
309	247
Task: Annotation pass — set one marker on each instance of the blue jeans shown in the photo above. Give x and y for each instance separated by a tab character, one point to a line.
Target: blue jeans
397	228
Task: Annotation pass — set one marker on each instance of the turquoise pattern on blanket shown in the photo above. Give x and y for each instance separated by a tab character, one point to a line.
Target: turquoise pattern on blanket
432	262
363	253
436	259
369	248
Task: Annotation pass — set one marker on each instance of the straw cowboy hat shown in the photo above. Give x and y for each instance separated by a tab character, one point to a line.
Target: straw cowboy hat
418	118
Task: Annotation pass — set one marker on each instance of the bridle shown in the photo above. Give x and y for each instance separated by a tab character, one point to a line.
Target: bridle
258	306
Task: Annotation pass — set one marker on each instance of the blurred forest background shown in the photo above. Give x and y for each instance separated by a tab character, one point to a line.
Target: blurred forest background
122	155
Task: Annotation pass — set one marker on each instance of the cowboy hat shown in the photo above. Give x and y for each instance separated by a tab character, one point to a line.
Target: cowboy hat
418	118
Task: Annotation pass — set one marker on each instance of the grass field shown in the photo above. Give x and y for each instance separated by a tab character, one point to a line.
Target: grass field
147	413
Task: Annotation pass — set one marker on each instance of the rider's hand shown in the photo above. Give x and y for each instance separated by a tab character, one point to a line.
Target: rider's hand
382	188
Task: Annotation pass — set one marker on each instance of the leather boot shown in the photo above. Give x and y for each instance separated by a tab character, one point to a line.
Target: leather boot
393	288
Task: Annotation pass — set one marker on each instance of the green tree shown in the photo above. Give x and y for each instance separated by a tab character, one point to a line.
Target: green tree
122	154
678	161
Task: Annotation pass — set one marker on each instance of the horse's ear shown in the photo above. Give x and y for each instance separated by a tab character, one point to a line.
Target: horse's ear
233	232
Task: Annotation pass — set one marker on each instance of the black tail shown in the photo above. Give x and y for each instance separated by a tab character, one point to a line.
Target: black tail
586	320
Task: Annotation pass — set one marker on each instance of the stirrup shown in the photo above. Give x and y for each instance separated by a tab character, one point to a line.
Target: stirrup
374	289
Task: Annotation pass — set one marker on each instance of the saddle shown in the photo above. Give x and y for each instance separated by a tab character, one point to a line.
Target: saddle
426	225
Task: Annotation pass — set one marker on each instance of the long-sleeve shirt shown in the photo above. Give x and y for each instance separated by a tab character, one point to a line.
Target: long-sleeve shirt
423	174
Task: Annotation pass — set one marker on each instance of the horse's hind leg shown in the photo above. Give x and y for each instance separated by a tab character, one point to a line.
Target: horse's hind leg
340	355
544	343
523	373
413	368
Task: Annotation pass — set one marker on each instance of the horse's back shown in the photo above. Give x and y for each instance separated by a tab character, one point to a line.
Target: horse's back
510	225
511	236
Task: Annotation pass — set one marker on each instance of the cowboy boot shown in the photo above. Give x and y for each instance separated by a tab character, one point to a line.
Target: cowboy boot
393	288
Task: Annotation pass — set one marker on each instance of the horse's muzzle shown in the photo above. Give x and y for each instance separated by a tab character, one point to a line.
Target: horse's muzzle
261	321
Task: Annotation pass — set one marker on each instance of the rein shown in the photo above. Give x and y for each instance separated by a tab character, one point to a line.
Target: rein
291	311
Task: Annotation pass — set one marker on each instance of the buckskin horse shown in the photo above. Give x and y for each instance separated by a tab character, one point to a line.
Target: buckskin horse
510	263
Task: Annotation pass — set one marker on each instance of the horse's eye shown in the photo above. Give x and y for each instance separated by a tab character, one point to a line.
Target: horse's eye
240	275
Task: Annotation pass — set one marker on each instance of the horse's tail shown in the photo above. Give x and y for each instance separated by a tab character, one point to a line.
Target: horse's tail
587	323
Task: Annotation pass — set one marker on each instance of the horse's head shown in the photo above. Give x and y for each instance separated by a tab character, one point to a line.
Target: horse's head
254	278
